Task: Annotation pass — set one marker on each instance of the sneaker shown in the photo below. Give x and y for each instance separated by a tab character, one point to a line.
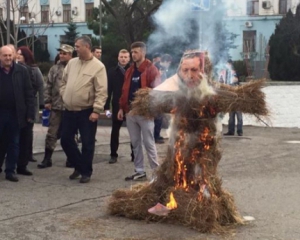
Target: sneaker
74	175
137	177
228	134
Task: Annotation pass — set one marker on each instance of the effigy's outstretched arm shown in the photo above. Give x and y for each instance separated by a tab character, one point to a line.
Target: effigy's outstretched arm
246	98
150	103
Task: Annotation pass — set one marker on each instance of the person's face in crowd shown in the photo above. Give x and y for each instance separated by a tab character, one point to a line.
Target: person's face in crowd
190	72
165	64
12	47
97	54
138	54
123	59
81	48
156	59
20	57
6	56
64	56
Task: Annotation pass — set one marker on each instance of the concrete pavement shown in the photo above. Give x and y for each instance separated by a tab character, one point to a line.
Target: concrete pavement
260	169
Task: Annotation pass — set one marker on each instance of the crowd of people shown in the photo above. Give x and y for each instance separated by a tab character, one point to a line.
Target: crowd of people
76	91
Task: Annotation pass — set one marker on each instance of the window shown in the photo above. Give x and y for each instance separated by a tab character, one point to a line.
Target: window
44	41
44	13
63	39
249	39
89	11
25	13
252	7
283	6
67	13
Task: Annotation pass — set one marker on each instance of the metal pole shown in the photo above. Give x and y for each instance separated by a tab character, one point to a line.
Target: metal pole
8	22
32	25
100	23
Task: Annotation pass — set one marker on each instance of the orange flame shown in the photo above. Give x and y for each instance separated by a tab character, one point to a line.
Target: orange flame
172	204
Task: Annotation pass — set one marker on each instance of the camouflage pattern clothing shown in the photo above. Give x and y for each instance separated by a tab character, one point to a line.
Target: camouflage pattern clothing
52	96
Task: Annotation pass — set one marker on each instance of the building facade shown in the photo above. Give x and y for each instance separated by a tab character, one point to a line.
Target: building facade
254	21
48	19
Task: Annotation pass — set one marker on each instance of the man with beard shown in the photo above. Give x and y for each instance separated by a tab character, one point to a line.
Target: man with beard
141	74
115	79
53	102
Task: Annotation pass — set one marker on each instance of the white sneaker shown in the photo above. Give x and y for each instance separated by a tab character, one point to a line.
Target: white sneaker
137	177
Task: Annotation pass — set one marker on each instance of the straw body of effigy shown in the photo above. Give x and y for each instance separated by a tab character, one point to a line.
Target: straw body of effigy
189	171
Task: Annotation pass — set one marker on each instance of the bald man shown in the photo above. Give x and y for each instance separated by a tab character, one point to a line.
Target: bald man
16	106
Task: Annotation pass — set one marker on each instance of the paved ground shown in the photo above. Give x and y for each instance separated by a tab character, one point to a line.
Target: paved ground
261	170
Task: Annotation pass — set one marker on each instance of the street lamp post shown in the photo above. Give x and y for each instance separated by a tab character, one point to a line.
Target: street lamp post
100	23
32	21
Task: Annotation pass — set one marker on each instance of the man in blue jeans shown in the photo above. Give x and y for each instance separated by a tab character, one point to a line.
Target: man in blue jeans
84	93
16	106
232	79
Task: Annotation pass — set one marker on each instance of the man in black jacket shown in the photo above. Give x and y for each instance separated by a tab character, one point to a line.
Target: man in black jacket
115	78
16	106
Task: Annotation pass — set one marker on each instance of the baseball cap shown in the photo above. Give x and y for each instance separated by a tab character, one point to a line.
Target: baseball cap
66	48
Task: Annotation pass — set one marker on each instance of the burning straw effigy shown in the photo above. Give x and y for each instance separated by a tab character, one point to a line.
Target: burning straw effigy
187	189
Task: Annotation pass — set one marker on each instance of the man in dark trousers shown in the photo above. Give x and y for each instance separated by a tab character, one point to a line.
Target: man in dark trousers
115	78
16	106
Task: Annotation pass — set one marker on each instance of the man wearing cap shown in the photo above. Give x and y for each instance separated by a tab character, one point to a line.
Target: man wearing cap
53	102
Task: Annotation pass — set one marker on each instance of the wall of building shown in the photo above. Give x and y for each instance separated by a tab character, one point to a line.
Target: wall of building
282	100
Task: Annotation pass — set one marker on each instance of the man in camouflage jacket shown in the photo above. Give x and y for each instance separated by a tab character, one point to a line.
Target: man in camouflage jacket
53	102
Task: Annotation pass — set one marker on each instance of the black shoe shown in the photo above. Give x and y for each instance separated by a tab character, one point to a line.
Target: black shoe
74	175
24	171
228	134
84	179
45	163
12	177
113	160
159	141
137	177
69	164
240	134
160	137
32	160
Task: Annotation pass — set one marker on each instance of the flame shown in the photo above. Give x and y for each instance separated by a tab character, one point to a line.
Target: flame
172	204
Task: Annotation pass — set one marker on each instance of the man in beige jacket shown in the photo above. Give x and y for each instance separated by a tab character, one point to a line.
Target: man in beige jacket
84	93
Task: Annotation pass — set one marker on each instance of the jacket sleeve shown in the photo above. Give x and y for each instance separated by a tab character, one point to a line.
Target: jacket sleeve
40	84
29	96
110	82
49	86
100	85
63	82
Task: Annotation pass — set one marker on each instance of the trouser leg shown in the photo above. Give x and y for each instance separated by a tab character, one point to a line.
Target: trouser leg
148	140
136	140
114	137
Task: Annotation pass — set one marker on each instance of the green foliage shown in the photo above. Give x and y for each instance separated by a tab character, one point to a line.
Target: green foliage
71	34
284	61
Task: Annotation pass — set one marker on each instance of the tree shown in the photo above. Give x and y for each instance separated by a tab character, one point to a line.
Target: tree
18	37
284	43
130	19
71	34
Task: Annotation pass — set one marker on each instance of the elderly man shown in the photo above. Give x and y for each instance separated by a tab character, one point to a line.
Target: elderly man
84	93
16	106
53	102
